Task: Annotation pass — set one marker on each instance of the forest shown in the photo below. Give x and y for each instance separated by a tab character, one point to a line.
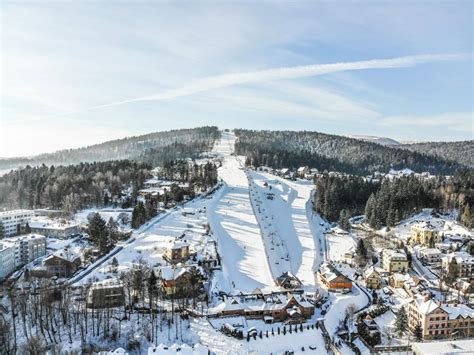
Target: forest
125	148
386	203
462	151
292	149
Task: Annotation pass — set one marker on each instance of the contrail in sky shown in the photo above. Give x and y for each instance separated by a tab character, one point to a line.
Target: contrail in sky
232	79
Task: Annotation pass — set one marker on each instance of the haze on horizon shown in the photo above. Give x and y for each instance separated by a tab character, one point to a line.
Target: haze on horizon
81	73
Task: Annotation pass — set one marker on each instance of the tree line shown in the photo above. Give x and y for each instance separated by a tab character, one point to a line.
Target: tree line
119	149
292	149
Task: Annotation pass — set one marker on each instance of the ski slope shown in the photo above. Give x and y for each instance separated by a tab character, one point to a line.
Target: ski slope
244	259
284	210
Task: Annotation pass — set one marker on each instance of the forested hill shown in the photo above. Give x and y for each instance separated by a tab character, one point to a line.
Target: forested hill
462	152
125	148
324	151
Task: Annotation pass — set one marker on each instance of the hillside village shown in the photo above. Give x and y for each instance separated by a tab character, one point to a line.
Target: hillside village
237	263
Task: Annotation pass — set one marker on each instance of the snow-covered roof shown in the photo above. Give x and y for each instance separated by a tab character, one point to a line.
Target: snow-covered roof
458	310
253	303
169	273
371	270
425	225
430	251
461	257
179	245
107	283
444	347
66	254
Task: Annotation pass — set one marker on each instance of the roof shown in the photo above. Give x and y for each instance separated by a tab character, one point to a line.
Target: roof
444	347
65	254
179	245
371	270
460	256
260	302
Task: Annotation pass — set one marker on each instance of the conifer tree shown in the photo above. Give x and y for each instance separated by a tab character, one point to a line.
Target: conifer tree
401	322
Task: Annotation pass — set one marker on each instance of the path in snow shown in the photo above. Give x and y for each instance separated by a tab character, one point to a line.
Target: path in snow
240	245
294	233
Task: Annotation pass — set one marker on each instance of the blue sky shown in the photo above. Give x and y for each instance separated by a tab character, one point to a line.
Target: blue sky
78	73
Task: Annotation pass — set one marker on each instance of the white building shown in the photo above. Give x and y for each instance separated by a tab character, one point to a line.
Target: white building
7	259
28	247
12	220
430	255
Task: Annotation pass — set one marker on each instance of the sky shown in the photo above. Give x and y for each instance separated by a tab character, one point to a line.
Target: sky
75	73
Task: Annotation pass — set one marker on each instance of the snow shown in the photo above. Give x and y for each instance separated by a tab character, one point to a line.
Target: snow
290	241
339	244
340	302
230	214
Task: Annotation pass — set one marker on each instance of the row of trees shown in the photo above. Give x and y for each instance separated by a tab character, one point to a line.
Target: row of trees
45	315
70	187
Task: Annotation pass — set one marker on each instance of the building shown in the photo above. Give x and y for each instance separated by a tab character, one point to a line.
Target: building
372	278
438	320
272	307
28	248
106	294
425	234
448	347
62	263
178	281
51	228
395	261
14	220
333	279
396	280
430	255
465	263
302	171
177	252
7	259
288	280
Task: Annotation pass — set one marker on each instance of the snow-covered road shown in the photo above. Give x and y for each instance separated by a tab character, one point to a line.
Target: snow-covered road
230	214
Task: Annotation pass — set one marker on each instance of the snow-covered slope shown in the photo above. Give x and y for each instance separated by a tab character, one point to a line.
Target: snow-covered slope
245	264
375	139
286	219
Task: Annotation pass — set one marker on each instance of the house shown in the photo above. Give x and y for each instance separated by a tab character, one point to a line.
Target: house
62	263
395	260
284	172
288	280
439	320
430	255
106	294
333	280
180	281
271	307
177	252
425	234
396	280
370	325
372	278
302	171
464	263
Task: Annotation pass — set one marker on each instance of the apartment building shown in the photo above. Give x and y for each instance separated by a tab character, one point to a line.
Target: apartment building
28	247
395	261
13	220
106	294
465	263
425	234
7	259
439	320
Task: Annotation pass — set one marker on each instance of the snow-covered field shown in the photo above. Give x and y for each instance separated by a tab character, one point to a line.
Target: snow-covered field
284	212
245	264
339	244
